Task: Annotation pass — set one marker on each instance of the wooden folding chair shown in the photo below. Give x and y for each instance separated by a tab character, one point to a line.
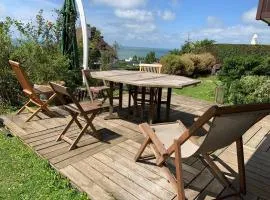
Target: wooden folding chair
154	68
225	125
76	109
33	93
94	91
135	92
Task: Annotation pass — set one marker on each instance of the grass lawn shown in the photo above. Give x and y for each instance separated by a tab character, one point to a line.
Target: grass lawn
205	90
23	175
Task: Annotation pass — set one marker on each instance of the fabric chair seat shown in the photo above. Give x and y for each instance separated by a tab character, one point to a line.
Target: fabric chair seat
167	133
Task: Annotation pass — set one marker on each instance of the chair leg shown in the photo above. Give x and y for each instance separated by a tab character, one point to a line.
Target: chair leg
22	108
241	165
146	141
35	113
179	172
78	123
73	145
216	171
67	127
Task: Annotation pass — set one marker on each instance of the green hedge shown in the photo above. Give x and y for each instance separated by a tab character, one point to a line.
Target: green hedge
223	51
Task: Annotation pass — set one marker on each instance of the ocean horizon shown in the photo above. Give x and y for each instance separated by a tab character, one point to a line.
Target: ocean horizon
125	52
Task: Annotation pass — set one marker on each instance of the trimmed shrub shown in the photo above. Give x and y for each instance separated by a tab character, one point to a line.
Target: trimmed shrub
236	67
223	51
250	89
187	64
171	64
207	61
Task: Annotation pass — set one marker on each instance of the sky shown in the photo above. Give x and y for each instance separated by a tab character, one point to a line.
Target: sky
158	23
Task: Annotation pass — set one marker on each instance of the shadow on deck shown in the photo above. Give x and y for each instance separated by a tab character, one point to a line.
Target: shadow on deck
106	169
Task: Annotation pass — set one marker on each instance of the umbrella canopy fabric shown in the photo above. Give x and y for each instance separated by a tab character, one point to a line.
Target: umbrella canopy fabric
69	42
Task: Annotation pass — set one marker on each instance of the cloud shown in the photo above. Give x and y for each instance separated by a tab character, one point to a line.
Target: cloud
120	3
232	34
140	28
138	15
214	22
167	15
250	16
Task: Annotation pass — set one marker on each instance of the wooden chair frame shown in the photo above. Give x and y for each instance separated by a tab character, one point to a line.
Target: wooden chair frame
103	90
75	110
134	92
32	93
162	154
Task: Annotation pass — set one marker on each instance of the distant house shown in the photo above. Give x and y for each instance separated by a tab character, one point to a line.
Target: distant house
128	59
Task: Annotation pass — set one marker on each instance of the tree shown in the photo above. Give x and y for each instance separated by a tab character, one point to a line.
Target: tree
200	46
116	47
135	59
150	57
175	52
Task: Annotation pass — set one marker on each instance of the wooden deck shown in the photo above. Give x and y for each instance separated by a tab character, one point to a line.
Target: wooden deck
106	170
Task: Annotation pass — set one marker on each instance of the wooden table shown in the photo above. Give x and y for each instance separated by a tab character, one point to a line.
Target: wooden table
144	80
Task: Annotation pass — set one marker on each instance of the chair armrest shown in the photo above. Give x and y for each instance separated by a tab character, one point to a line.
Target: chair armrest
147	131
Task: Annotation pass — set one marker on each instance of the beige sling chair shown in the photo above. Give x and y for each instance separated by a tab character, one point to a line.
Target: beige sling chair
32	92
76	109
225	126
94	91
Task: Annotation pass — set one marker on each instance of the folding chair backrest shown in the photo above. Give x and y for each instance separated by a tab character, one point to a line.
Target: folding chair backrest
230	123
65	91
87	75
21	77
154	68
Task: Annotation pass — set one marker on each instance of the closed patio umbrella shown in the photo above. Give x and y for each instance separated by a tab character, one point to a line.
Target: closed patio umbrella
69	42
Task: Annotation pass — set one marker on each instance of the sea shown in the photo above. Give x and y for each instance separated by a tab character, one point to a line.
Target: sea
125	52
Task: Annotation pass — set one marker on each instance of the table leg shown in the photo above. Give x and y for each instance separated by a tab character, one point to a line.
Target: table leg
151	108
135	101
120	96
168	104
143	101
111	115
159	103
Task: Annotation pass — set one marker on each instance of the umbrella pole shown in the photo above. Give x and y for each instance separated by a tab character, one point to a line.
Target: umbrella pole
84	35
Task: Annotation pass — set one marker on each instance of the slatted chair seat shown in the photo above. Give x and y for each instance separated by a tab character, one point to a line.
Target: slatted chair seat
88	107
217	128
98	89
43	89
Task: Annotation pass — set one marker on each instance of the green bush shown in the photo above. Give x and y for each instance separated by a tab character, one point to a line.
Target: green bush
174	64
236	67
187	64
250	89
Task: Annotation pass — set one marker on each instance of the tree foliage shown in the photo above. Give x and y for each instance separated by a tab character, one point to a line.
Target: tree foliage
150	57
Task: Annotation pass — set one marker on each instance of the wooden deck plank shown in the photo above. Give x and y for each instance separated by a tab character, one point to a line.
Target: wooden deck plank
103	181
117	155
119	179
143	182
143	171
83	152
94	191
